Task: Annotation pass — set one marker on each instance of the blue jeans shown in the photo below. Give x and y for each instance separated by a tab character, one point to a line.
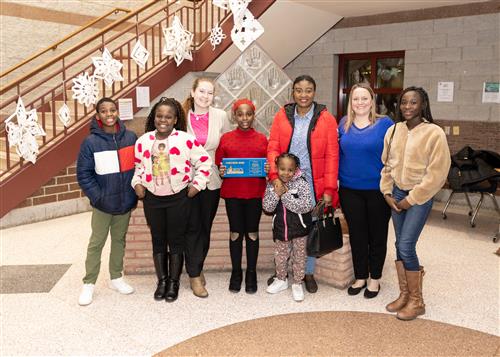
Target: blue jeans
408	225
310	265
311	261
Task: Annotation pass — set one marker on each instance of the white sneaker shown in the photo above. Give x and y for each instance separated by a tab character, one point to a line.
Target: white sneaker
120	285
277	286
86	294
297	292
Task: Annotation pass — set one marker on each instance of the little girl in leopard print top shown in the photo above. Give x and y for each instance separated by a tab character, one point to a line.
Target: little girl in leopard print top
292	208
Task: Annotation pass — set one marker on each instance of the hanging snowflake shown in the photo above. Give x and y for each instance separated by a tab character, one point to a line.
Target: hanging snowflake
238	8
216	36
63	114
178	42
246	28
85	89
23	134
140	54
223	4
246	31
107	68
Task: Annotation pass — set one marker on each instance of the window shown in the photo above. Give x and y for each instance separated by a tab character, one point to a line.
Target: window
383	70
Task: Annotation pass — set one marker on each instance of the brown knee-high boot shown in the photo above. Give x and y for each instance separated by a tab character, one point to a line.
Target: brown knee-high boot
415	305
404	294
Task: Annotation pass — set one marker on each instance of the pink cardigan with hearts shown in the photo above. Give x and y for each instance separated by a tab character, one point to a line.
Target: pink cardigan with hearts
189	161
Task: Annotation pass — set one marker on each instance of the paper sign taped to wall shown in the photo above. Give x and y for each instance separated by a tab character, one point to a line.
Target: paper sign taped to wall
142	97
126	109
445	91
491	92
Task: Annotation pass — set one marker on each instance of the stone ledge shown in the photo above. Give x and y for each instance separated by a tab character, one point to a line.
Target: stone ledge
43	212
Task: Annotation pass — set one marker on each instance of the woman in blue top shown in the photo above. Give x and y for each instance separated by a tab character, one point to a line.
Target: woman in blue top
361	140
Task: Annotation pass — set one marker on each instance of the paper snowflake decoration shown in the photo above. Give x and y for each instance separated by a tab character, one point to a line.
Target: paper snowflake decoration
23	134
216	36
107	68
178	42
85	89
246	31
223	4
233	5
238	8
246	28
63	114
140	54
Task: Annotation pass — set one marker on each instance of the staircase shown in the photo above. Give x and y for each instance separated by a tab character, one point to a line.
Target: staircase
48	86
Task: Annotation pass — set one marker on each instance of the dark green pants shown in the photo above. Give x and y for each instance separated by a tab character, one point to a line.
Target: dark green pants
102	224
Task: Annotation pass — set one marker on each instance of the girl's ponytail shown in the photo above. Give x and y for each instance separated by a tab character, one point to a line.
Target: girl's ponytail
188	105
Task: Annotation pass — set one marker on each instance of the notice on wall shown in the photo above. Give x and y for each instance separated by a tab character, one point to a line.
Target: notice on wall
491	92
126	109
142	97
445	91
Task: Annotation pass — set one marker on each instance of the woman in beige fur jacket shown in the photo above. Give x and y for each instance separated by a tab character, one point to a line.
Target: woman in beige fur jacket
417	160
207	124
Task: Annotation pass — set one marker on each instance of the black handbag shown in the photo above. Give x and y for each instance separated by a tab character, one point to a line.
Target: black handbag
326	233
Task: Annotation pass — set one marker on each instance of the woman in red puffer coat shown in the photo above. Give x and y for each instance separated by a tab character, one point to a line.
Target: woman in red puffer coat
307	130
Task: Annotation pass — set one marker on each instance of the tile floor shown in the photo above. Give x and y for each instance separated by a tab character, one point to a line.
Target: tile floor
461	288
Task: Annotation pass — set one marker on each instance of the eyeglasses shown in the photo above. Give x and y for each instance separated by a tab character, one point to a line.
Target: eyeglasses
164	99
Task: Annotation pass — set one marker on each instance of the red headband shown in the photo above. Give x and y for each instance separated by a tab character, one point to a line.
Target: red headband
243	101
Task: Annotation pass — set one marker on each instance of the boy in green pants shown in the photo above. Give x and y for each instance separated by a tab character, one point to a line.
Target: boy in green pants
104	171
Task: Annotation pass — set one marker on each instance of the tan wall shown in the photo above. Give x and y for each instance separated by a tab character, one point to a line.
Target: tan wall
91	8
27	27
462	49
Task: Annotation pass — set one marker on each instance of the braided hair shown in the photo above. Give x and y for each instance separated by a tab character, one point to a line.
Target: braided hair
289	156
426	105
179	113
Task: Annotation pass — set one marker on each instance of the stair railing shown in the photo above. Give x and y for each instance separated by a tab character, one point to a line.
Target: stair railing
48	87
60	42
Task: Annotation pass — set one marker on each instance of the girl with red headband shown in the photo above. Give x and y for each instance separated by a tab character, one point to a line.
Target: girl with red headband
243	196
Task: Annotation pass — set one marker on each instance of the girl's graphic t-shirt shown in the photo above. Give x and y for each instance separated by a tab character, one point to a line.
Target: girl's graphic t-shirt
161	168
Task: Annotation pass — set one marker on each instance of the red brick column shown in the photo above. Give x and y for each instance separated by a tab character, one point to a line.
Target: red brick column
334	269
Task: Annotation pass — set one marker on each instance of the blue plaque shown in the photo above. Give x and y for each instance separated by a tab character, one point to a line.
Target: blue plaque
244	167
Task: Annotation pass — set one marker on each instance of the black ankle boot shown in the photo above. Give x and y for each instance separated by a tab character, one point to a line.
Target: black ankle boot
161	268
250	282
175	269
235	281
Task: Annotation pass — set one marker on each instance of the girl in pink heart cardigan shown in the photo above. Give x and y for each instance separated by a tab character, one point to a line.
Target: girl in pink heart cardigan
171	167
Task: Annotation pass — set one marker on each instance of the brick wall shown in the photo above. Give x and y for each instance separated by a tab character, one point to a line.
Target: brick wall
61	187
138	255
477	134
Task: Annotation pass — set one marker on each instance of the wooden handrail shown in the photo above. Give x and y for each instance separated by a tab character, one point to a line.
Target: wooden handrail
55	45
76	47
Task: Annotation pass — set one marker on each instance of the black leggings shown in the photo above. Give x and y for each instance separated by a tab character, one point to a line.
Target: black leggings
367	215
167	218
208	203
244	218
